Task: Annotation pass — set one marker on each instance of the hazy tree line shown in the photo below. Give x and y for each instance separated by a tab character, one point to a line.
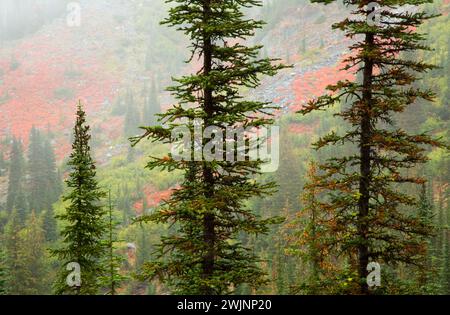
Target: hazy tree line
34	181
28	224
138	113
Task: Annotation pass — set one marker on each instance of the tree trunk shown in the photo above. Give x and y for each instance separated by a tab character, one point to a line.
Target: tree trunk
209	220
365	169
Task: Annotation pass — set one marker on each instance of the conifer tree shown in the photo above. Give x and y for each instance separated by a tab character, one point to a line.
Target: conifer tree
32	258
143	247
124	202
132	117
425	206
16	278
372	219
288	175
428	281
16	198
151	106
119	107
3	272
53	186
311	211
446	260
308	238
50	225
112	278
2	164
44	184
204	255
84	217
37	175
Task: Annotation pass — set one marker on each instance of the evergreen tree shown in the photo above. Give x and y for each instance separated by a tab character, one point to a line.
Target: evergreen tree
444	112
44	185
32	258
204	254
124	202
119	107
143	248
132	119
3	273
2	164
17	277
445	253
372	218
288	176
112	278
50	225
86	226
16	198
446	258
428	280
131	155
311	210
37	175
425	205
151	106
447	61
307	239
53	183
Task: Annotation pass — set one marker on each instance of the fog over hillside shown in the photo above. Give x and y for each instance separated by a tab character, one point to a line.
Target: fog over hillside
22	17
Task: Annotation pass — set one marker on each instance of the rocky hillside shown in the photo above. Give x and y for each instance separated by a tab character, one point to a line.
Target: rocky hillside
44	74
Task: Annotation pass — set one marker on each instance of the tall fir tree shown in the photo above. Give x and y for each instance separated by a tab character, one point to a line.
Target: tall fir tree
54	185
84	217
308	241
204	254
36	173
152	106
132	117
427	279
304	241
16	198
112	278
372	219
